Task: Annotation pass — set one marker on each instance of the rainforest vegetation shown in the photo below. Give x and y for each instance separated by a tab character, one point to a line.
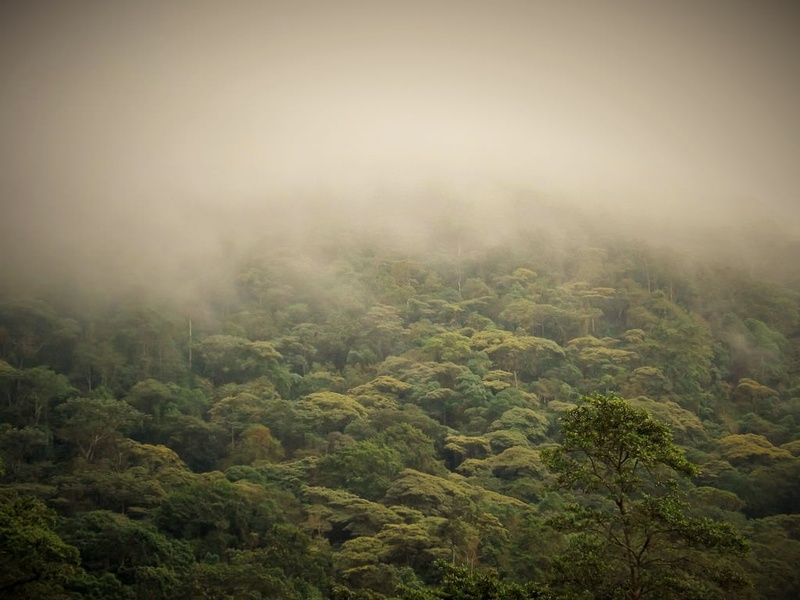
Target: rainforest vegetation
419	300
517	420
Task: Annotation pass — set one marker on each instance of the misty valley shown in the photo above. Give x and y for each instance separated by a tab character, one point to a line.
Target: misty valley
521	419
399	300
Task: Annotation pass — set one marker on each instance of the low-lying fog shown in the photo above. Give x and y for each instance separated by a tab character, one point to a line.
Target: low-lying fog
155	141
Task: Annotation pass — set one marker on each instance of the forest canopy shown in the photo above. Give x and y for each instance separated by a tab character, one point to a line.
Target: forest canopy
419	300
611	421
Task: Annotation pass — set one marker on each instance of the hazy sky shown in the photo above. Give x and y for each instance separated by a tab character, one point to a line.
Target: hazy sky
119	117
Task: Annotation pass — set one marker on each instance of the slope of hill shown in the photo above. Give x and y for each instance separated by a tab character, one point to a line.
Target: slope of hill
347	423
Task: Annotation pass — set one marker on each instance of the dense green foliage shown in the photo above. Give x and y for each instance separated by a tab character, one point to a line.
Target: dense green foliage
634	535
516	422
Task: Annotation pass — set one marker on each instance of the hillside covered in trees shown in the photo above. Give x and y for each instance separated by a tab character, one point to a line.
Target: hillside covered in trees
420	300
602	420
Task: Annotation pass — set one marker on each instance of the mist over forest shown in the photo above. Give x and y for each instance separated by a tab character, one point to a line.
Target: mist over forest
410	301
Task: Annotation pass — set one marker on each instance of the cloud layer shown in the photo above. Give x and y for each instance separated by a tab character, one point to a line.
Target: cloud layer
142	133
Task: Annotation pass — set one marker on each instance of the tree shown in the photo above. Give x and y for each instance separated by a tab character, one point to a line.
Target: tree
91	423
37	390
364	468
136	553
636	536
460	583
257	443
522	355
325	412
382	330
415	449
237	413
215	515
198	442
29	330
22	448
37	563
153	398
226	358
529	422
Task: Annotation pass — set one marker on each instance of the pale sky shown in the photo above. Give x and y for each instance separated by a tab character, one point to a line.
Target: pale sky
115	110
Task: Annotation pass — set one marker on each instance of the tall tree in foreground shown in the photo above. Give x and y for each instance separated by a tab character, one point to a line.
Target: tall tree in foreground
633	535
